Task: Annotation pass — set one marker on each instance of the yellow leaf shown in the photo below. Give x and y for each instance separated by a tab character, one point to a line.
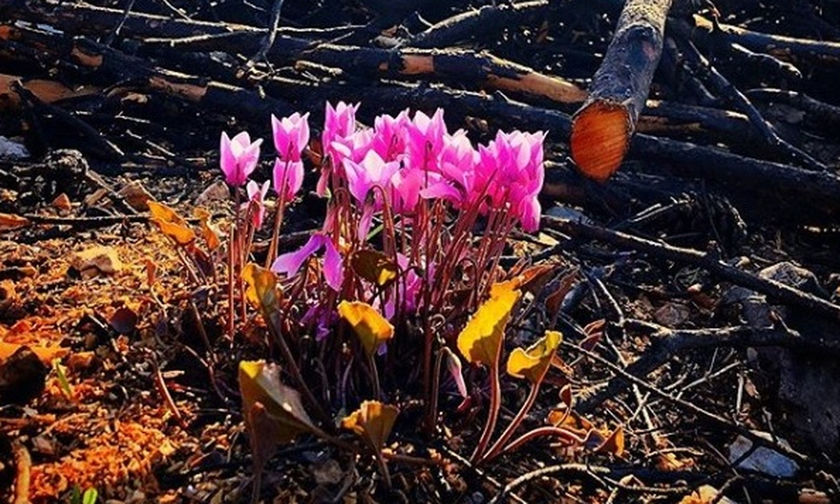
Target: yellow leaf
263	291
260	383
211	237
170	223
535	361
706	494
614	443
45	353
532	279
371	327
374	266
480	341
373	421
12	221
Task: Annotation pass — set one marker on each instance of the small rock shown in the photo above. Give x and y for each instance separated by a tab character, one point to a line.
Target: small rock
215	192
12	150
327	473
22	377
124	320
96	261
672	314
794	276
136	196
62	202
569	213
762	459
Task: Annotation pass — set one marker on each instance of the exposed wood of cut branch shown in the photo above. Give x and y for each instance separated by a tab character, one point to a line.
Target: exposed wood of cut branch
460	65
47	91
603	126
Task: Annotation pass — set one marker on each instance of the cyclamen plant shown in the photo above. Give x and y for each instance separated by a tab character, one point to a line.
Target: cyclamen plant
407	260
405	174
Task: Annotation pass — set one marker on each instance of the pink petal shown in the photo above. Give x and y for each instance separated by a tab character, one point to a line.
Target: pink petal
529	214
453	365
365	222
227	161
290	262
288	178
333	267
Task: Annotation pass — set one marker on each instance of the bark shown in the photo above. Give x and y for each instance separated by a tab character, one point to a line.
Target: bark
781	46
605	123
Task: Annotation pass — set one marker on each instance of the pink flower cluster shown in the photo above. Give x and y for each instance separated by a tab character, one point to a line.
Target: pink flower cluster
239	157
399	164
413	158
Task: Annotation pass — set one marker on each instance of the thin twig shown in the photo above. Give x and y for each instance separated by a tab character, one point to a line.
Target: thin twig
709	261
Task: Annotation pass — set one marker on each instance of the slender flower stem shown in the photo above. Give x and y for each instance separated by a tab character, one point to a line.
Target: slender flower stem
231	308
240	257
493	413
275	235
431	414
374	374
278	217
383	468
543	431
294	370
514	424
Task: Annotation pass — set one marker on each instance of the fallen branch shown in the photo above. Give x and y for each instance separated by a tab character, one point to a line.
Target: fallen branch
721	84
485	19
452	64
823	113
603	126
667	342
780	46
775	290
598	473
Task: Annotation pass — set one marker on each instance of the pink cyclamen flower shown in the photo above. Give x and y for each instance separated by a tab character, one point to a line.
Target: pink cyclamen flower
389	135
288	178
424	138
256	198
238	157
291	262
291	135
370	172
339	124
511	169
457	162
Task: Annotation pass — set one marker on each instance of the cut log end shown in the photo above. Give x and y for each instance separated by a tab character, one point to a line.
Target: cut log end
600	139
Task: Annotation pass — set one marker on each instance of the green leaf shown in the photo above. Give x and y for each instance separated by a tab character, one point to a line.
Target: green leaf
66	389
90	496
